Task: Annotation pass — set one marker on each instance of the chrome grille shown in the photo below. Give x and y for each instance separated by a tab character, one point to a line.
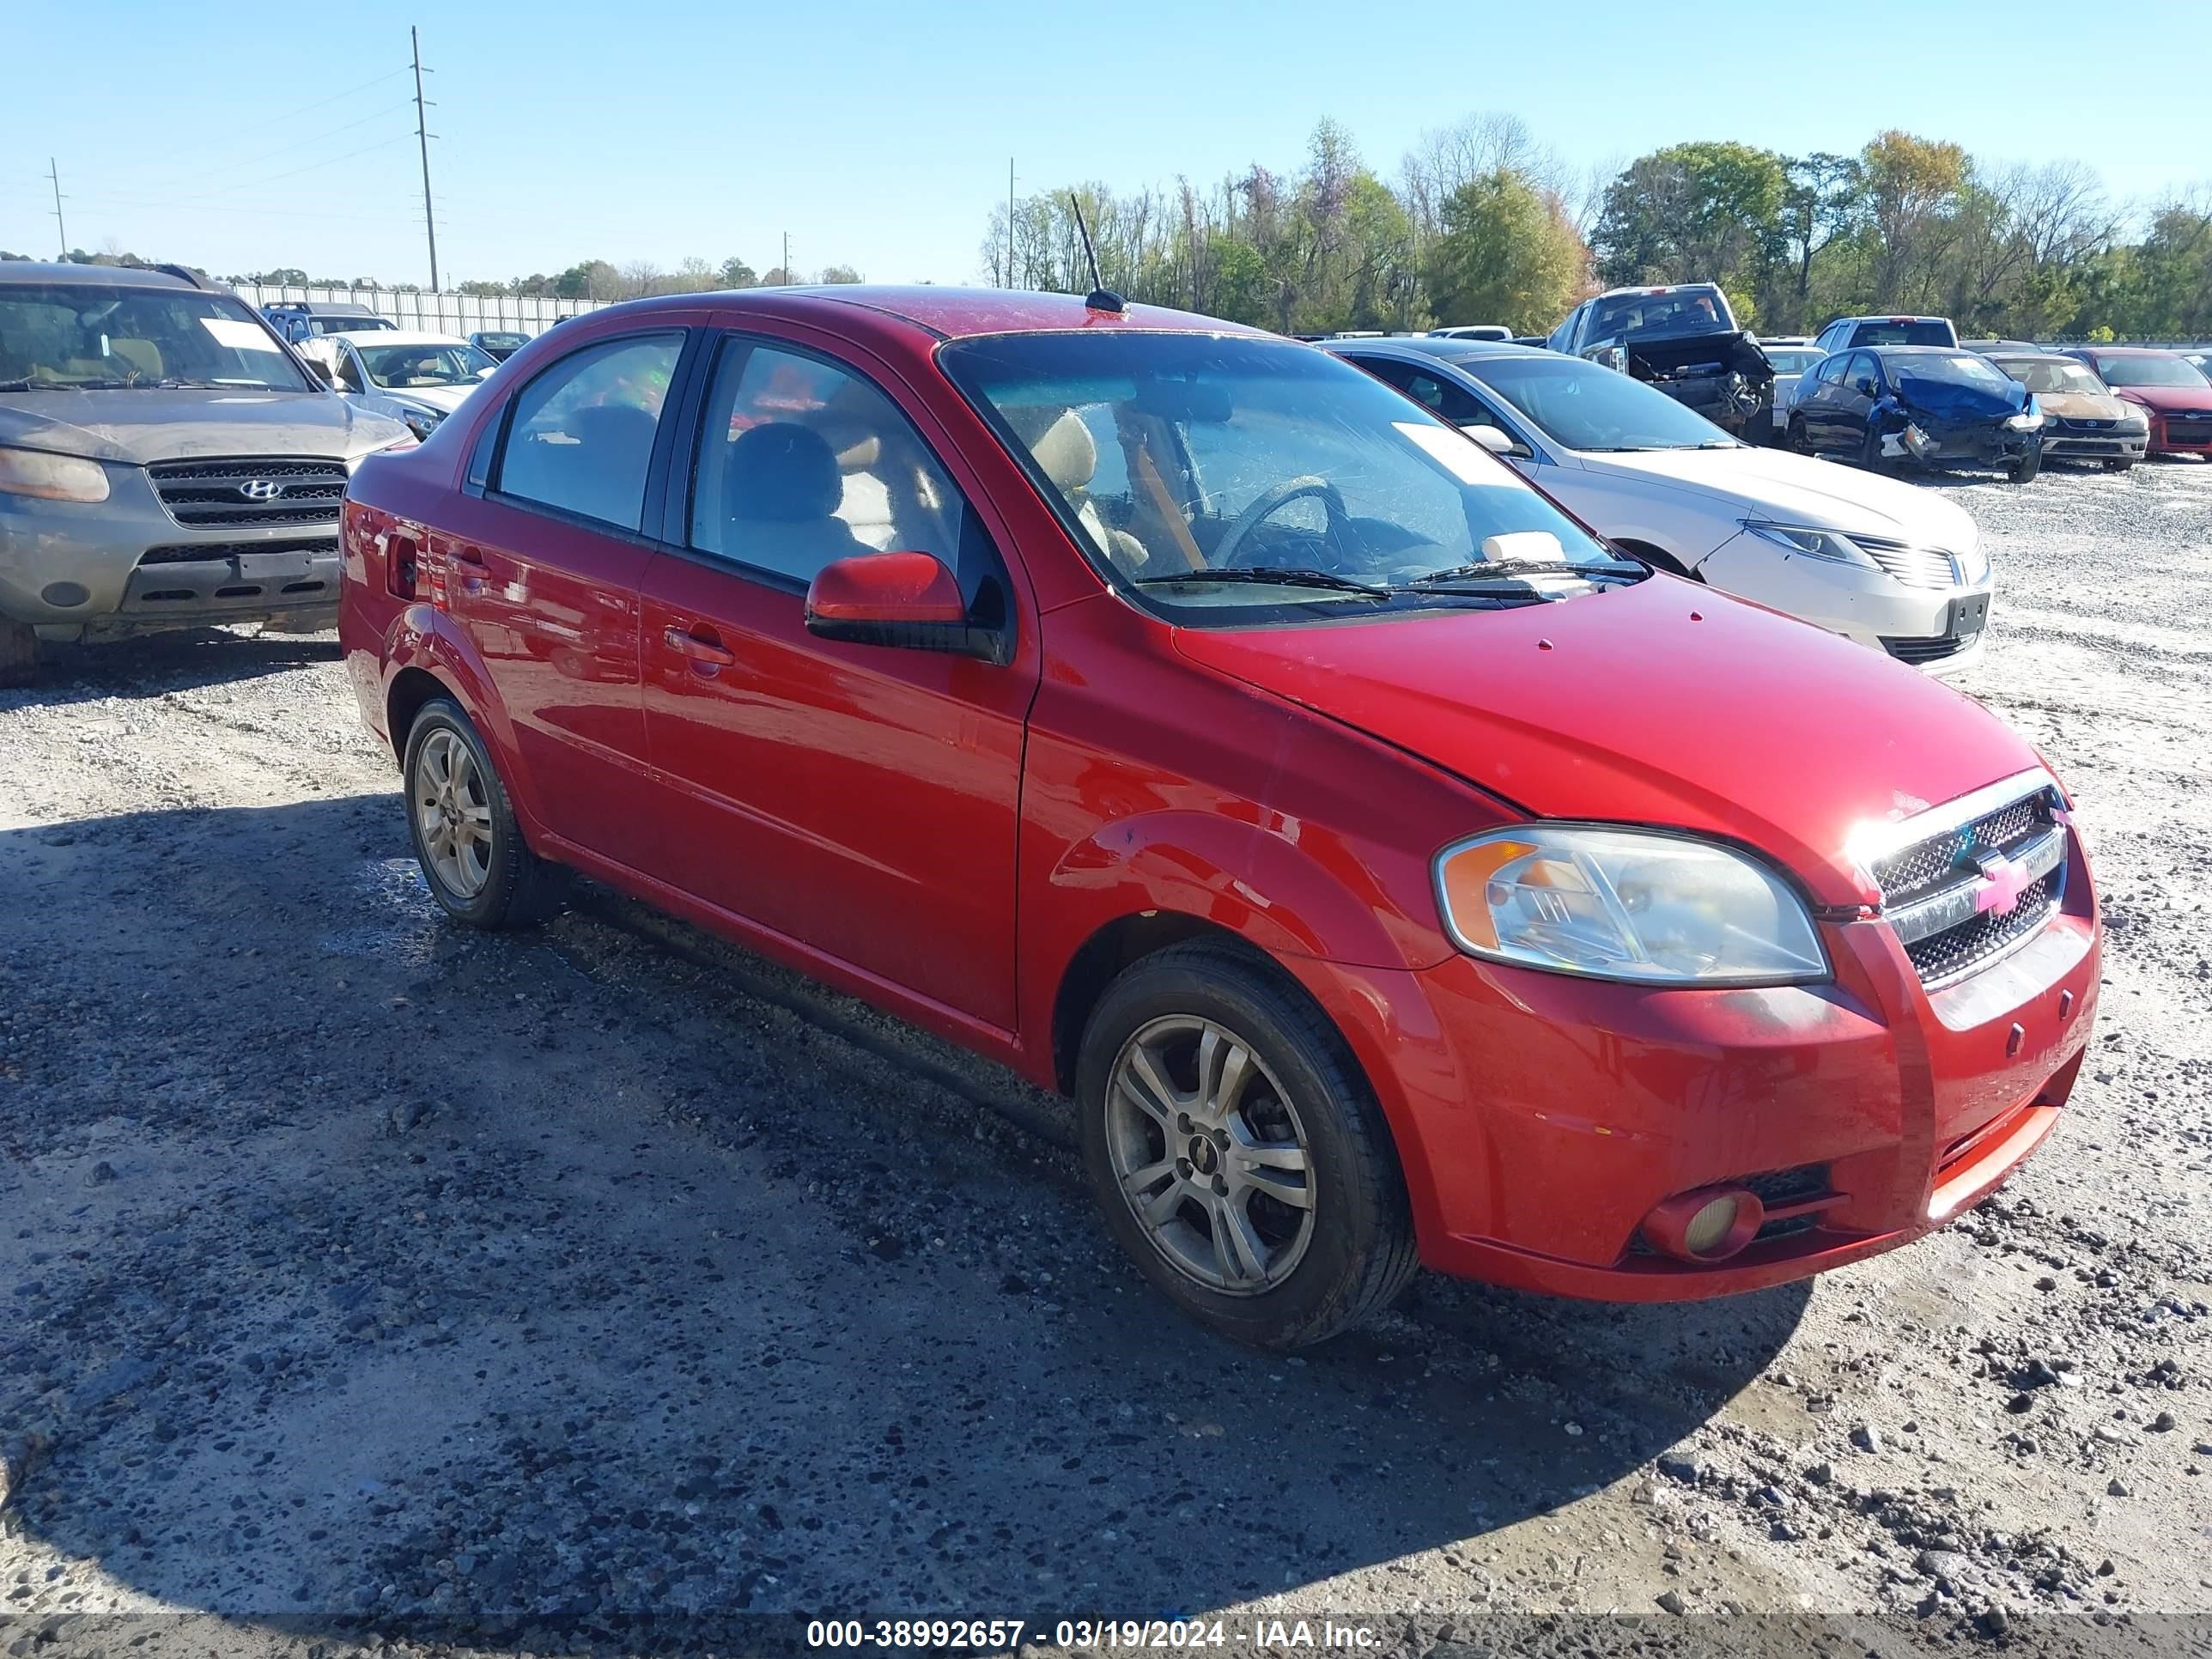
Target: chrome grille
1913	567
237	493
1932	884
1957	952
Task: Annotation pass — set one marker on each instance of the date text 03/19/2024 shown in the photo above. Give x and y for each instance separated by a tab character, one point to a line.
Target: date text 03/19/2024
1003	1635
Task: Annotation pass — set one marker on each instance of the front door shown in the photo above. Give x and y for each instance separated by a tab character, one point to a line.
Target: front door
861	800
541	572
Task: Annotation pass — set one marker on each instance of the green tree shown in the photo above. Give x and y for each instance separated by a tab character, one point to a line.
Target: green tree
1693	213
1507	255
1913	190
735	273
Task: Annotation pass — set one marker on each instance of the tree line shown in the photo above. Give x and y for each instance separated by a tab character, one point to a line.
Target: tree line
1484	224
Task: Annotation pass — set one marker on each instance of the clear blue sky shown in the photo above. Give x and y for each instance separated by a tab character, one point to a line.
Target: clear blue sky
877	133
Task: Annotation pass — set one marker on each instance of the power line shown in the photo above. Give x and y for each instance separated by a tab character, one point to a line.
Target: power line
54	173
228	158
422	136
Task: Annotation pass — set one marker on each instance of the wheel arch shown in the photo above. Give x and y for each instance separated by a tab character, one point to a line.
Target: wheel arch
1112	947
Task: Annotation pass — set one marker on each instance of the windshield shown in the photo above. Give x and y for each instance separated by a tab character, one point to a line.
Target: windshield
399	367
2149	371
1930	331
347	324
1584	407
1675	311
2051	374
1792	360
1210	474
99	338
1948	370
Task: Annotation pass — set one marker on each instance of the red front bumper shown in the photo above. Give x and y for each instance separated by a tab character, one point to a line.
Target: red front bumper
1542	1117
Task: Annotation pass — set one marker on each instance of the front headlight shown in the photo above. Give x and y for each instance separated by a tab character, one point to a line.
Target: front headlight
1637	905
52	477
2133	416
2027	421
1973	561
1819	543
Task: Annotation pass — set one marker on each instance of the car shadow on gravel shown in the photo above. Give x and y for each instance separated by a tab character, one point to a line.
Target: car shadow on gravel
358	1268
155	664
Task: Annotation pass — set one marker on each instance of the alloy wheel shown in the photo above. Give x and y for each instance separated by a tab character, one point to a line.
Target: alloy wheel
1210	1156
452	814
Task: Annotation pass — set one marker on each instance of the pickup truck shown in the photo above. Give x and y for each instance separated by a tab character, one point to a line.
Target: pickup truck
1683	339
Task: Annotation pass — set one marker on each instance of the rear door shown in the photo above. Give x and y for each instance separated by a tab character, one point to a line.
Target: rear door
540	561
859	801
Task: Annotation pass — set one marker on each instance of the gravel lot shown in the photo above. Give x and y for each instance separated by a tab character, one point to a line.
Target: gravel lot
500	1291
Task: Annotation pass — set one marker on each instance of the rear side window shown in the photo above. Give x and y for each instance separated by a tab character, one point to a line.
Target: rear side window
581	440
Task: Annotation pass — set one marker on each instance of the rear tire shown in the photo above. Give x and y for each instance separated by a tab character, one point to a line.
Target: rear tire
1206	1085
1798	442
462	827
19	653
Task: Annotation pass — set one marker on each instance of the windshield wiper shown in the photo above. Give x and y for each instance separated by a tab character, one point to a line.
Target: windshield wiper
29	385
1505	575
1286	578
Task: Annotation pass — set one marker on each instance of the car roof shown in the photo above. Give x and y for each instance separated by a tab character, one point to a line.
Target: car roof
2126	351
948	313
30	272
1448	350
1908	350
1652	288
385	336
1889	317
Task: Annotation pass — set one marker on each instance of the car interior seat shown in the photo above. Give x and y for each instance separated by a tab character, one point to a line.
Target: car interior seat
1069	456
781	491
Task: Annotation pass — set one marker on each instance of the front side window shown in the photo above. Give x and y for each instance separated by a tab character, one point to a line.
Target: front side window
1831	372
1864	372
1255	473
90	337
1577	404
399	367
580	439
801	464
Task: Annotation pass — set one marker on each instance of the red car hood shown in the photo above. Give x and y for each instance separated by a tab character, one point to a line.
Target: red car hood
2170	399
1664	704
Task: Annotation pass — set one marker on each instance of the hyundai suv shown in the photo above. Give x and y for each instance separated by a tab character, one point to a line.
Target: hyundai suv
165	462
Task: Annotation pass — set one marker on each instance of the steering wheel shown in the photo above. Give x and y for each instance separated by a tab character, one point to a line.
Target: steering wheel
1266	505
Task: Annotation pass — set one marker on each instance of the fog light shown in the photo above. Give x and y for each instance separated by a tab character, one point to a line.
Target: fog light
63	596
1709	1226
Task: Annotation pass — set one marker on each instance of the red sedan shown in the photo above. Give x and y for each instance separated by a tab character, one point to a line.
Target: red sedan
2172	392
1177	714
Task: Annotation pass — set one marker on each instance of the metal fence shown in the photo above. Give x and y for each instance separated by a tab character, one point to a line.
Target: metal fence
432	314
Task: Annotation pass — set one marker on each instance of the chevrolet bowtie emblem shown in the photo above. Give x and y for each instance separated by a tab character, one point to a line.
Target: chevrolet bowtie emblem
2003	881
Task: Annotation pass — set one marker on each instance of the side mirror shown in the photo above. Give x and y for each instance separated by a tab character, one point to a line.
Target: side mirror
904	600
1495	440
1866	386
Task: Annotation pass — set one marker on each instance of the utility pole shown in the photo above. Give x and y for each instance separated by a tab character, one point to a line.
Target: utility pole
786	258
422	136
1009	222
54	172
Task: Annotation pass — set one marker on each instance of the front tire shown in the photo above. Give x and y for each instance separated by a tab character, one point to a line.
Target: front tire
1799	443
19	653
1237	1153
2118	466
2024	469
462	827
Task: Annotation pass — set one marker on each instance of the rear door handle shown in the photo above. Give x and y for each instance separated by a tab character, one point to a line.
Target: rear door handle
699	646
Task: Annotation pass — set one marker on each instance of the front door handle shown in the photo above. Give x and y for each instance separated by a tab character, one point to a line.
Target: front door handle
700	645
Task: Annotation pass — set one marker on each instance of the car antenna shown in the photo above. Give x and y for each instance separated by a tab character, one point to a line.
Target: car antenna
1100	297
